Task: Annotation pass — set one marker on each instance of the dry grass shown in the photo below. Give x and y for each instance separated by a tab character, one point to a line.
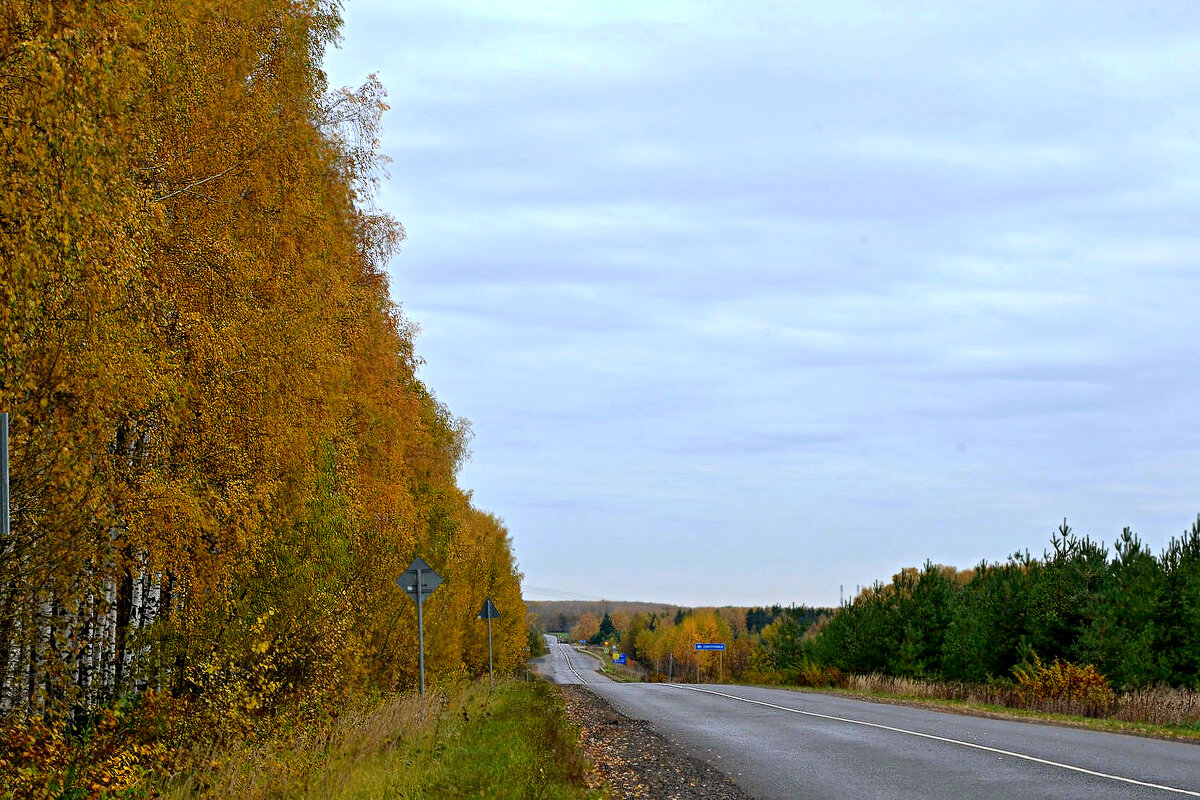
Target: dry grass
307	760
514	741
1164	706
1161	705
977	694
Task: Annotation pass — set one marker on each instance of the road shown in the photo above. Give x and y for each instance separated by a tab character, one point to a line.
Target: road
567	665
781	744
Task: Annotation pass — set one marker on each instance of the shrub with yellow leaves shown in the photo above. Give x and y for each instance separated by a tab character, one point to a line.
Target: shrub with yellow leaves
1063	687
111	754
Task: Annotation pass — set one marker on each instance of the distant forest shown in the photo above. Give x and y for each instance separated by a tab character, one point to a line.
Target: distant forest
560	616
563	616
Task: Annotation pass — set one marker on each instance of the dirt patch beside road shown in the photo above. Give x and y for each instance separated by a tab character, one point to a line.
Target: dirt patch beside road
634	761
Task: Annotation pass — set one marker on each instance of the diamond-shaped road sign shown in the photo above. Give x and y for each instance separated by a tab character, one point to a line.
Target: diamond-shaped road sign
488	611
419	570
418	582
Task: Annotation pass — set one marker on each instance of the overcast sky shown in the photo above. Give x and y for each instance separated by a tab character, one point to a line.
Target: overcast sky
749	301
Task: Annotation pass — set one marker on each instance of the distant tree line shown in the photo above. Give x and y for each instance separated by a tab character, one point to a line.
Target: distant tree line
560	616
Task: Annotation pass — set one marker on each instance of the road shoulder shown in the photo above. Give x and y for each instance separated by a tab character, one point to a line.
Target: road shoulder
634	761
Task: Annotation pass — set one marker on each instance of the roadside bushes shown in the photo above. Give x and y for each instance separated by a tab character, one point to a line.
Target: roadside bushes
818	676
1057	688
108	754
1064	688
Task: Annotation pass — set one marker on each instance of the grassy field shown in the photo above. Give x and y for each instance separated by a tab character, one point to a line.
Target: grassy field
511	742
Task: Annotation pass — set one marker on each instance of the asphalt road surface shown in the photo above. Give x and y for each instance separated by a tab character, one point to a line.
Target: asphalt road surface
776	743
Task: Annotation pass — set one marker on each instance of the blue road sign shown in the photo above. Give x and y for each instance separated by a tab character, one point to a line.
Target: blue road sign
710	645
620	659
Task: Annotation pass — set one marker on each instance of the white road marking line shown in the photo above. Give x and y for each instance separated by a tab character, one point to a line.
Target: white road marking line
567	652
1035	759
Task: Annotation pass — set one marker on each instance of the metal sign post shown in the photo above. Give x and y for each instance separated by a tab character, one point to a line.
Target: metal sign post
418	582
712	646
489	613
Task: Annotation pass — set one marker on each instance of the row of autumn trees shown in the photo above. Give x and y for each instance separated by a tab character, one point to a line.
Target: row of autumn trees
221	454
665	643
1132	615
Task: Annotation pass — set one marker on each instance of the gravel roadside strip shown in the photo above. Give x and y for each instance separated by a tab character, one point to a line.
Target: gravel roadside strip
632	761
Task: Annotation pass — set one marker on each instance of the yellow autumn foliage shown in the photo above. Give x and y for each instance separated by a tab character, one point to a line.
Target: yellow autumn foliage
221	454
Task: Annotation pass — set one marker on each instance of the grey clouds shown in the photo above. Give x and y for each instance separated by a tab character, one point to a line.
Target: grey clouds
747	301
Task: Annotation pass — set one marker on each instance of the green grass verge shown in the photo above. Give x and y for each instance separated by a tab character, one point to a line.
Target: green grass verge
513	742
508	743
